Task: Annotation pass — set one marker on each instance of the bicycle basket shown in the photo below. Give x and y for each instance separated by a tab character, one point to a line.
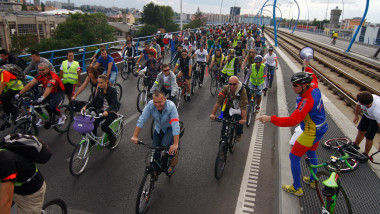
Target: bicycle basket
83	124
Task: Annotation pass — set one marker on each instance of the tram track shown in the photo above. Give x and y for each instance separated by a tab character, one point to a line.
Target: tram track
345	79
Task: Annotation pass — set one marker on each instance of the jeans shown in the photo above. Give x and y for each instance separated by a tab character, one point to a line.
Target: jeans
166	92
106	125
163	139
271	70
112	77
55	100
259	88
6	99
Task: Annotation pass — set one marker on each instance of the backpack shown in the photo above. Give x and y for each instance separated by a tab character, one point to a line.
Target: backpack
22	63
77	105
28	146
15	70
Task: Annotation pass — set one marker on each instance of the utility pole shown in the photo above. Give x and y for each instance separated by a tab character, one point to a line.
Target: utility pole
180	15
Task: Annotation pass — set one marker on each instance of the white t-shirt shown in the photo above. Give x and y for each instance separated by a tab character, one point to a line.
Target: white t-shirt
270	59
201	56
373	112
167	83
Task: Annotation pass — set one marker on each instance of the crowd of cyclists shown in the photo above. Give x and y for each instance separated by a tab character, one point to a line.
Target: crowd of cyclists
224	50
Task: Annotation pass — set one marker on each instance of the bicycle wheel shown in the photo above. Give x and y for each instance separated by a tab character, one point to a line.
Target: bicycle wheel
249	114
143	195
221	159
232	141
55	206
125	71
343	168
119	135
334	143
343	204
73	136
119	91
140	83
68	112
193	84
26	127
142	101
213	86
79	158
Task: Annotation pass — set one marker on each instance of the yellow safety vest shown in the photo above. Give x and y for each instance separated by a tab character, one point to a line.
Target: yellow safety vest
71	75
257	78
229	68
15	84
234	44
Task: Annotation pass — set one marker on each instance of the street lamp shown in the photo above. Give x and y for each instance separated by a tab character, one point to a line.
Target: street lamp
360	25
181	15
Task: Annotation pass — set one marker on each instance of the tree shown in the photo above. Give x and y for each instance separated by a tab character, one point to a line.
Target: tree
151	14
21	42
159	16
147	30
199	20
42	6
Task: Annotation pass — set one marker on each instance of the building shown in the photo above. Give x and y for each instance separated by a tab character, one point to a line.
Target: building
369	34
37	3
41	26
10	6
55	4
213	18
351	23
252	19
235	11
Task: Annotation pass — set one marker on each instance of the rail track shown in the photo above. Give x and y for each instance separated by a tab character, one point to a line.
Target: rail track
345	75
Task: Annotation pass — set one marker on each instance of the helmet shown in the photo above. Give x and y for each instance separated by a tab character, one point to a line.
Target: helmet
301	78
258	58
231	51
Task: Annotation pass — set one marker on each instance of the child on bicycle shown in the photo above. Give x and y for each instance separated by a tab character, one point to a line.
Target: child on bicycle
105	100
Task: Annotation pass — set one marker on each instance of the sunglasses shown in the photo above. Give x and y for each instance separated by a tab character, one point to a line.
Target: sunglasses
234	84
41	69
295	85
166	70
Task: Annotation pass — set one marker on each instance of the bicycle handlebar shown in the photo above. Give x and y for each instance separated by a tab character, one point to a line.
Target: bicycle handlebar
153	147
225	120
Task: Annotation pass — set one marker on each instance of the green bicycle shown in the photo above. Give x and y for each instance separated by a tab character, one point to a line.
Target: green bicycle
328	186
84	124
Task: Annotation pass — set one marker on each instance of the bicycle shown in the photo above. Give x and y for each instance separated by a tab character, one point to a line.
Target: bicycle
152	171
196	78
355	156
128	68
182	90
143	96
216	82
328	185
28	126
333	42
251	104
226	143
84	124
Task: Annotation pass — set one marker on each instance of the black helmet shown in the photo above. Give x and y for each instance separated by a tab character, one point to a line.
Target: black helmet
301	78
258	58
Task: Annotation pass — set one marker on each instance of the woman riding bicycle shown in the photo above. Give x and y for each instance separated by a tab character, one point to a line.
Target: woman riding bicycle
249	59
92	78
217	60
105	100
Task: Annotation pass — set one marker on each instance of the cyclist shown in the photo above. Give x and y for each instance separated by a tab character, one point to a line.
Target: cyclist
16	169
177	55
173	43
215	46
54	92
156	47
9	87
92	78
152	66
217	60
130	53
70	73
110	68
36	60
105	100
310	113
96	55
210	43
257	79
258	45
334	36
249	60
202	59
166	132
145	54
240	52
230	67
369	124
224	43
9	58
166	82
271	63
234	96
263	40
185	64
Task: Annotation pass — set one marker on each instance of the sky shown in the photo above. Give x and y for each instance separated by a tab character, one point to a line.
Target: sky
309	9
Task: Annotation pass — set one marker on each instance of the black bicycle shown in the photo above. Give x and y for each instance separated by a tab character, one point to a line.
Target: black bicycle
227	143
128	68
195	80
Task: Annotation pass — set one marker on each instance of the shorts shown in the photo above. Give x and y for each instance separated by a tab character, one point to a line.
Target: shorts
258	87
369	126
69	88
112	77
32	203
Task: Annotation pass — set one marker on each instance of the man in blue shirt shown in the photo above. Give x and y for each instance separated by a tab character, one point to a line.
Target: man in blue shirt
167	128
110	68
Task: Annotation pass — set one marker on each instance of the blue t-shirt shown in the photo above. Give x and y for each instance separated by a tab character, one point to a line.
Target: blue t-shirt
105	63
172	45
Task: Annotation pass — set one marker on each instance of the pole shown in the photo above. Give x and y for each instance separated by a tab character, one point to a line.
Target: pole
181	15
360	25
274	23
297	17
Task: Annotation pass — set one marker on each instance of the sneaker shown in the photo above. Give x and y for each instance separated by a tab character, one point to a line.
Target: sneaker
174	160
308	181
188	98
290	189
257	109
112	140
62	119
200	85
40	123
238	138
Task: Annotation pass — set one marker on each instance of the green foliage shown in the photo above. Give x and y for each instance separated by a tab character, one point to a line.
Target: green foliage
42	6
170	27
159	16
19	43
318	23
147	30
78	30
198	21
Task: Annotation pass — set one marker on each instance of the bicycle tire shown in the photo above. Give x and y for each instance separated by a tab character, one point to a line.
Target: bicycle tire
355	163
220	161
55	206
141	101
119	135
213	86
140	83
333	143
125	71
26	127
69	119
119	90
232	141
73	136
193	85
81	158
321	197
249	114
144	193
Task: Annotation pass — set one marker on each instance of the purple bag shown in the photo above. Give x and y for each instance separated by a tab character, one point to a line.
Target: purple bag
83	124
